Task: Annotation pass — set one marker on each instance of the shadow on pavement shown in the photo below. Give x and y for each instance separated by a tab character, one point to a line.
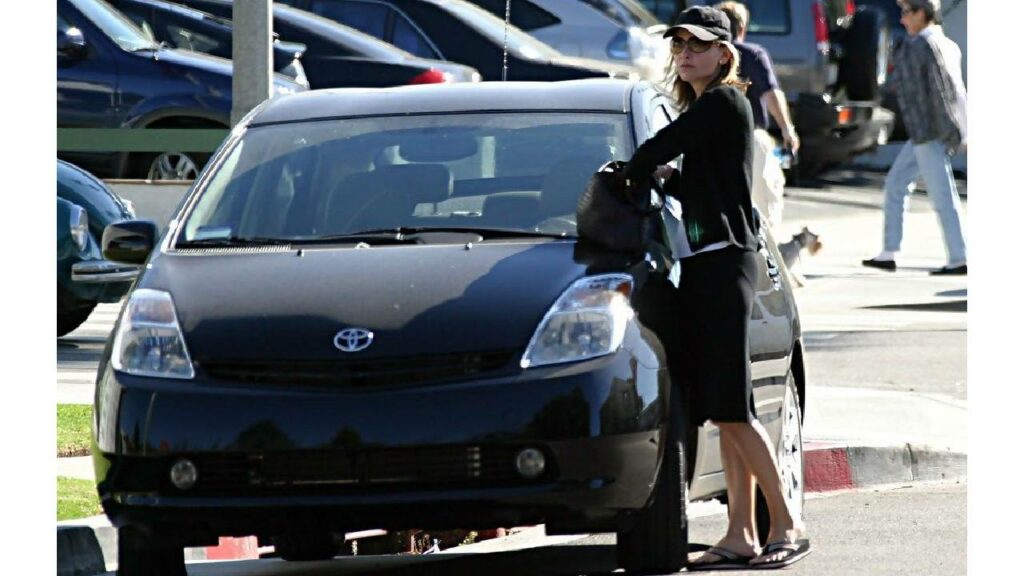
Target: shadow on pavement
951	306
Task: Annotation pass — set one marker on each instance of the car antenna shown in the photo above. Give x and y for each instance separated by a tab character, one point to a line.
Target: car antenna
504	55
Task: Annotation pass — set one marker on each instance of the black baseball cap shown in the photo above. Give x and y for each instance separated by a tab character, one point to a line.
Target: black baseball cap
704	22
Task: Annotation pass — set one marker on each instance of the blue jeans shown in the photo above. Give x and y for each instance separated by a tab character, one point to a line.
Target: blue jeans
930	161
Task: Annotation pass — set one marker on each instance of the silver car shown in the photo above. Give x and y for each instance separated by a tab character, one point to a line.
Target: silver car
620	31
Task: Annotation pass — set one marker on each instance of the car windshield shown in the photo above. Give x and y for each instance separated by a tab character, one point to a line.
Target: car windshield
519	43
334	33
115	25
318	180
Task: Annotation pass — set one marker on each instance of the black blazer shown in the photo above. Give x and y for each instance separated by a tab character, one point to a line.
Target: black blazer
715	137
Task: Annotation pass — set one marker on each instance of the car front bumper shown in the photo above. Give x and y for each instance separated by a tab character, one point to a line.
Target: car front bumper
436	456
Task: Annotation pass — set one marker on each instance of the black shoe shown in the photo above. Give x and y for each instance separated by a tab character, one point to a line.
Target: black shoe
960	270
887	265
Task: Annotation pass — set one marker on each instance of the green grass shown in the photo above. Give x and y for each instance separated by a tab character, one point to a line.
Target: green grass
73	429
76	499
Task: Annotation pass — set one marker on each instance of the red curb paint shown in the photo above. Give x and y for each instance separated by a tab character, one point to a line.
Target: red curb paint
826	470
234	549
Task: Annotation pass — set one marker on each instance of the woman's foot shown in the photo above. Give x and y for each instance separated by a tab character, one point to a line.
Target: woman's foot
782	544
727	551
781	554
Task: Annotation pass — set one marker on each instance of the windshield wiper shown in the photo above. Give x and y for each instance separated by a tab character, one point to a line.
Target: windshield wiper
486	232
231	241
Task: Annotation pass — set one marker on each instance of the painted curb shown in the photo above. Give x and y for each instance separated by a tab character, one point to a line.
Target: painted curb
850	467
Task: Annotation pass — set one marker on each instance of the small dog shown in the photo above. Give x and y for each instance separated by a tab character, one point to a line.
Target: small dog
790	251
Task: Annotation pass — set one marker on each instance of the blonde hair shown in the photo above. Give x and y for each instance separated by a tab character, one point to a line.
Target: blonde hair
737	13
728	75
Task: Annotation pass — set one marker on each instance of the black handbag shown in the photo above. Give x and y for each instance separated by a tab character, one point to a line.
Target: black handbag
613	215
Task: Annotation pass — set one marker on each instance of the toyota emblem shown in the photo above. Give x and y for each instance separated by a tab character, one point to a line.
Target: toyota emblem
353	339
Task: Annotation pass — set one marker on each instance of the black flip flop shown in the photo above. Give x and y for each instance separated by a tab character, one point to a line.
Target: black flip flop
728	560
795	551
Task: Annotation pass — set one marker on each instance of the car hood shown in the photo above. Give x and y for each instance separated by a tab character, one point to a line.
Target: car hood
417	300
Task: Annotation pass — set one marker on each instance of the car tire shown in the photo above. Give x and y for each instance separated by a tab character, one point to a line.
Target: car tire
863	69
307	547
180	166
142	554
70	319
790	457
657	542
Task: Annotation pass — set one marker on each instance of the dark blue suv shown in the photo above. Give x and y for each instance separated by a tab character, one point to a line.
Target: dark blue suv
110	74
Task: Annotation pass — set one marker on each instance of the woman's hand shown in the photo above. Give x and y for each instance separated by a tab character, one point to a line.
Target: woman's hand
663	172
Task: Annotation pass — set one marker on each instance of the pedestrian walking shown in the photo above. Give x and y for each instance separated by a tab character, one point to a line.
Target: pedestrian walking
933	101
765	97
717	247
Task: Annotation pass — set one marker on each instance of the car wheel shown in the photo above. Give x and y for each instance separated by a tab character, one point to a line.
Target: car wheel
658	541
169	165
790	456
307	547
864	68
68	320
141	554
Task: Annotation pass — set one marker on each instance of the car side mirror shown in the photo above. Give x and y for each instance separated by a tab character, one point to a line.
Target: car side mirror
130	241
70	43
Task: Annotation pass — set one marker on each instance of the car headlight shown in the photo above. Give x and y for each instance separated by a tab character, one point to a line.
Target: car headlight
149	341
588	320
79	226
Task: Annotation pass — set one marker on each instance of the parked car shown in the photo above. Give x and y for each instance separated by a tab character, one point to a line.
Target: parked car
831	60
111	75
338	56
188	29
600	29
461	32
389	322
664	10
85	206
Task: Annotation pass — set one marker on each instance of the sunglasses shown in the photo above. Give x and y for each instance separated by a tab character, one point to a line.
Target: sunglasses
696	45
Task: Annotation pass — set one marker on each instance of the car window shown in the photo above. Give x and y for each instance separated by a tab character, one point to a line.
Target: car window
610	9
115	25
638	14
366	17
768	16
490	26
310	179
410	39
188	39
523	14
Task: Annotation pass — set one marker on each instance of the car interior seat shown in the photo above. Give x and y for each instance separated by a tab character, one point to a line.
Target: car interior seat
385	197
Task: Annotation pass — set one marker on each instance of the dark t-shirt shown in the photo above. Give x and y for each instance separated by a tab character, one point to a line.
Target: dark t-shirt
715	135
756	67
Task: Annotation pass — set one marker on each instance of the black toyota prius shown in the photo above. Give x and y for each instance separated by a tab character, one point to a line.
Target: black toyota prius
372	311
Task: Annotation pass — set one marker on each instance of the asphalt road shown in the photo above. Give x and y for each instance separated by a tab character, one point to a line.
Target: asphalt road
910	530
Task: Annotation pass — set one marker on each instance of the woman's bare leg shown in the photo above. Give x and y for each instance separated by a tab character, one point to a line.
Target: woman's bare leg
741	536
754	448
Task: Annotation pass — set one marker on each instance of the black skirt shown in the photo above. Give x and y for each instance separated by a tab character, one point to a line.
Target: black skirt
716	292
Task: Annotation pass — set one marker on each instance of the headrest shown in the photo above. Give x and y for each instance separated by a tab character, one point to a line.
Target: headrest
419	182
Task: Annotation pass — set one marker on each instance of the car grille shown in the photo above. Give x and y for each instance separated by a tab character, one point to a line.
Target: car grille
361	373
349	471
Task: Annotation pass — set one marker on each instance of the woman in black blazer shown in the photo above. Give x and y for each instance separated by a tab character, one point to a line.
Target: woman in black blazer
718	273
